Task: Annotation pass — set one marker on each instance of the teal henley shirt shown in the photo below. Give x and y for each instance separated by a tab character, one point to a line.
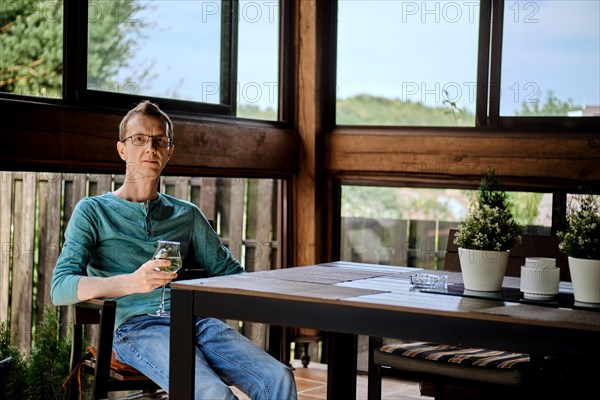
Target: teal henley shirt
108	236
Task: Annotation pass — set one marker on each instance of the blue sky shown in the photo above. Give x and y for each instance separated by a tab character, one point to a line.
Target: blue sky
412	50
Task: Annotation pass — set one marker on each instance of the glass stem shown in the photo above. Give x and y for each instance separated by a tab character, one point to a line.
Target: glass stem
162	300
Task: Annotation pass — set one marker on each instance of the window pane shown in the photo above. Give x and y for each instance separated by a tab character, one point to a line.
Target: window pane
31	47
409	226
407	62
258	57
169	49
551	58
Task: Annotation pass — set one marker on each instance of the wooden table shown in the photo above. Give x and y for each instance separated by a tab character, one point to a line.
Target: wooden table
349	299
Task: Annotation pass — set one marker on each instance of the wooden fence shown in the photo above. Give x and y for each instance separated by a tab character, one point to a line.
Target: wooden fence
35	208
413	243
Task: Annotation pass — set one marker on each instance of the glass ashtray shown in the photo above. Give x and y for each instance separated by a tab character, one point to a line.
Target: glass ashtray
429	281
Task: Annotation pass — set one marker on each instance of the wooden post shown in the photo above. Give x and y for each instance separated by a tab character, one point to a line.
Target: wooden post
23	258
6	193
49	236
306	244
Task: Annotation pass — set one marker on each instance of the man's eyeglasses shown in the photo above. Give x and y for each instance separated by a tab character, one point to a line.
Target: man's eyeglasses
139	139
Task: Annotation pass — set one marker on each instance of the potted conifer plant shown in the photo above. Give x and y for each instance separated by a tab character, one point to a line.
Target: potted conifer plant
485	236
580	241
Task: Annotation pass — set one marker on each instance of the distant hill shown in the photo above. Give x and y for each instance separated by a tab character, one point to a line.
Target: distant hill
366	109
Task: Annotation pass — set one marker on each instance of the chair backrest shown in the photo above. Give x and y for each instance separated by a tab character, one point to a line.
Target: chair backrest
530	246
101	313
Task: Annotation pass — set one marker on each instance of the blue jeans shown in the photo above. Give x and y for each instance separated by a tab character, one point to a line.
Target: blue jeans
223	358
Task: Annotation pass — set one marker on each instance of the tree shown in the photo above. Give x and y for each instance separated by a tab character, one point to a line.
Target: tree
31	33
365	109
31	37
553	107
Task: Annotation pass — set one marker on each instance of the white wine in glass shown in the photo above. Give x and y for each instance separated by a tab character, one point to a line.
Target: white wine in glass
166	250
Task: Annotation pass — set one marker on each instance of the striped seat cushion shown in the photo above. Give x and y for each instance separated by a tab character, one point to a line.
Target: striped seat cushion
493	366
458	355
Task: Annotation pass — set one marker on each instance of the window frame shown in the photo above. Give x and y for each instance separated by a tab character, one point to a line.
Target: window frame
590	124
76	93
75	88
489	63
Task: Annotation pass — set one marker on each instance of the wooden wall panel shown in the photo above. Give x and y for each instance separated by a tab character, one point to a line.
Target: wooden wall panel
544	159
48	137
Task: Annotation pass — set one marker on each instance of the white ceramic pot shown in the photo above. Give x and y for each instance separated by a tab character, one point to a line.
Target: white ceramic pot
539	283
585	275
483	270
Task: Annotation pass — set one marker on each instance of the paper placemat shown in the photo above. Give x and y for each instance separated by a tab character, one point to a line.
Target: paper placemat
317	274
253	283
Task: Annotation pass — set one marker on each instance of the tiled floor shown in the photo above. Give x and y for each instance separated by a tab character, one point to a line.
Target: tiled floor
312	385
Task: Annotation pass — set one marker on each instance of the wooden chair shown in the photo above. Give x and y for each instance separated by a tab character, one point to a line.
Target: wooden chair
302	338
109	375
398	360
106	378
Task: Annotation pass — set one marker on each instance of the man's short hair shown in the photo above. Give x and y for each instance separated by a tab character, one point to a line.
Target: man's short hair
150	109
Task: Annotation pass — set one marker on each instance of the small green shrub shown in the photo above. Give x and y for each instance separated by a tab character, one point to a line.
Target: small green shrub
489	225
40	376
16	387
581	238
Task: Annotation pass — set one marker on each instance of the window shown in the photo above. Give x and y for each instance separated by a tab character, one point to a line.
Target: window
196	56
407	63
551	59
448	63
31	48
258	60
410	226
182	50
165	49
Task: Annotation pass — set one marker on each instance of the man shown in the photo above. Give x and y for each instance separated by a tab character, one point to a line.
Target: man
107	253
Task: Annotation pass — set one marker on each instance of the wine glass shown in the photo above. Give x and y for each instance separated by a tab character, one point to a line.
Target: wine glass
166	250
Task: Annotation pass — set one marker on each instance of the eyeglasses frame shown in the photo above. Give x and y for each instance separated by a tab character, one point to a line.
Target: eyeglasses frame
149	137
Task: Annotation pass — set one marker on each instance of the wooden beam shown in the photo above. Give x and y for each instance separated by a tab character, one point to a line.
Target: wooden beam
315	73
555	160
46	137
304	248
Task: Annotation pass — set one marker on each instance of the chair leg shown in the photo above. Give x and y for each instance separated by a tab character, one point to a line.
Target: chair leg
305	356
438	390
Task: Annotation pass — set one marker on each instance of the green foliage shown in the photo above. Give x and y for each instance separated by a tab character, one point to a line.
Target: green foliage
31	32
17	384
581	238
255	112
380	202
525	206
49	359
41	375
491	191
553	107
489	225
394	203
114	31
366	109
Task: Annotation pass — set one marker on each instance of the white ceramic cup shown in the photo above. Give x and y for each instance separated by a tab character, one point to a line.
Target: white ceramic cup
540	262
539	283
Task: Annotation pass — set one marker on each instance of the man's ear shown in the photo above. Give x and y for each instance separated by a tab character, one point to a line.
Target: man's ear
171	148
121	150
